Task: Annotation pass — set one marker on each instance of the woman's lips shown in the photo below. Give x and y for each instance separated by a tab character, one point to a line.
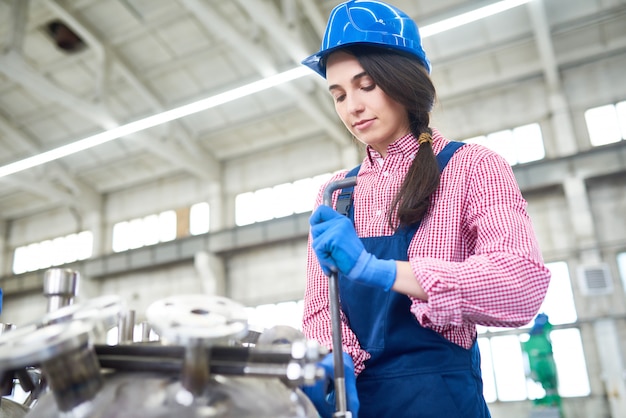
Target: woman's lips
363	124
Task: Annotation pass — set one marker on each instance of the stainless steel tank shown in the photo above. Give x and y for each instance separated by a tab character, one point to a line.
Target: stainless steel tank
203	365
12	409
8	407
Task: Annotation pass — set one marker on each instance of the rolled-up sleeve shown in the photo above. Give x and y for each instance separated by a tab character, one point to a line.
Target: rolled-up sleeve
477	257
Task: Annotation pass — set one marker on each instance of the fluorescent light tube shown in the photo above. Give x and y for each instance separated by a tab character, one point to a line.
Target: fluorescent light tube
228	96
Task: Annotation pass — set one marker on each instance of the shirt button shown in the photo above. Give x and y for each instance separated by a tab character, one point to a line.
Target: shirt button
385	173
379	212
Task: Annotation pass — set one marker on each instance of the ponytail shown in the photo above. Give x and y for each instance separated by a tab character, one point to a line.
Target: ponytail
422	179
405	80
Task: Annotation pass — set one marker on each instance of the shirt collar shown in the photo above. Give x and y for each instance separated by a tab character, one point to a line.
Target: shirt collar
406	146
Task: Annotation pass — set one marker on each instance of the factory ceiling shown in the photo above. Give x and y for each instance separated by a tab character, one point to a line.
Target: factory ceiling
71	70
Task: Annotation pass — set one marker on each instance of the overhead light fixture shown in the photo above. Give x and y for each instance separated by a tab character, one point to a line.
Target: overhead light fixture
228	96
154	120
469	17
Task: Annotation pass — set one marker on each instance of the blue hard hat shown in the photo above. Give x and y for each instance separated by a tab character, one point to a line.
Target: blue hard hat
368	22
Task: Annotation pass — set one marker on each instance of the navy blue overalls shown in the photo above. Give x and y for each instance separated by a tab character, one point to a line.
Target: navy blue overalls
413	371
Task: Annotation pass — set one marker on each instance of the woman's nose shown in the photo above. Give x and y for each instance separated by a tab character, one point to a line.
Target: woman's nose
355	105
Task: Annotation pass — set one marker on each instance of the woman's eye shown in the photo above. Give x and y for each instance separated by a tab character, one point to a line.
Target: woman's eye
340	98
369	87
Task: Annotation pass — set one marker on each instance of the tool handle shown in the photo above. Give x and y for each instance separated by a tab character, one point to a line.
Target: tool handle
341	404
336	185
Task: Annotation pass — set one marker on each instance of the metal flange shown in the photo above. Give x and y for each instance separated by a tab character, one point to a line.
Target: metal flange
29	345
197	319
103	309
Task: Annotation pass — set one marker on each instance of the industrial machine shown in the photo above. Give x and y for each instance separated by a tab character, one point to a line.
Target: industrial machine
205	362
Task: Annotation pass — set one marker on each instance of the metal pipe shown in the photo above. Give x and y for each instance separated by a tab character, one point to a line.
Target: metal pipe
126	327
65	356
145	331
73	377
60	286
217	353
341	405
173	366
195	374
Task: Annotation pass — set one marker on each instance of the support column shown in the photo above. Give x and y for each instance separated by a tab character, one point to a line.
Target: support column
612	365
217	207
562	126
582	220
92	221
605	331
211	273
4	256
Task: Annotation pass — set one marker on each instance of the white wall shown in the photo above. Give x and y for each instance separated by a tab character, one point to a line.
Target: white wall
268	275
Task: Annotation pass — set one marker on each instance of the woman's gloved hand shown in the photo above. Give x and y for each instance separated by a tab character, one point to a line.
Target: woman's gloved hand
322	394
338	248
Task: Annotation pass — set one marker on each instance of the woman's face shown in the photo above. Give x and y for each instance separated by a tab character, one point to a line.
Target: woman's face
369	114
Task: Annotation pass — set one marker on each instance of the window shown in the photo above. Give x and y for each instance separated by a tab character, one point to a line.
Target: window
285	313
509	377
503	361
528	143
621	117
278	201
566	343
148	230
518	145
304	192
199	218
244	212
606	124
48	253
621	266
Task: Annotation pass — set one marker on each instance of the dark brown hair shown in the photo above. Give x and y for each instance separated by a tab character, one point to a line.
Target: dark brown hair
405	80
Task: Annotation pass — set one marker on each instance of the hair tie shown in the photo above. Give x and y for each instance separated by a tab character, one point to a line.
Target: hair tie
424	137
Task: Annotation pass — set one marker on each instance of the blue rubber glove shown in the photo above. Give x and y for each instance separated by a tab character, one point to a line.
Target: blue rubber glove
338	248
322	394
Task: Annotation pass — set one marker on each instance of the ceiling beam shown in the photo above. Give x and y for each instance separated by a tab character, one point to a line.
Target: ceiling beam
174	156
15	67
74	193
18	24
312	12
222	29
268	17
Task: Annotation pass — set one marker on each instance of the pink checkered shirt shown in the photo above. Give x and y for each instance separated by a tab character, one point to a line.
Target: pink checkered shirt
475	253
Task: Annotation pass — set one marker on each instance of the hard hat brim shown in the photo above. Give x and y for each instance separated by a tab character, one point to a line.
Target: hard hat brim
316	62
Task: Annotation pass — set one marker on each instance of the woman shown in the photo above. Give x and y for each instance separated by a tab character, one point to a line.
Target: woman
436	239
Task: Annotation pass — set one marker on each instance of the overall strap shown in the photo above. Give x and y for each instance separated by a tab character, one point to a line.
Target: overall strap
344	201
447	152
